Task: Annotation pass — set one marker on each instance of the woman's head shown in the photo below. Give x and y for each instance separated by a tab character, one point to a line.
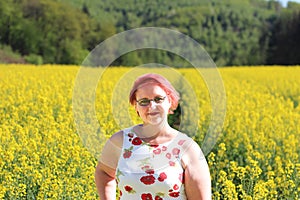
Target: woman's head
155	79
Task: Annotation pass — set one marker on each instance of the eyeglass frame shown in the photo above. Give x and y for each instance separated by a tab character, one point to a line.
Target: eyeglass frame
157	100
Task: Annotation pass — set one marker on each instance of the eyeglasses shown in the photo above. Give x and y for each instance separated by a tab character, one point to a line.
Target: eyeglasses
146	102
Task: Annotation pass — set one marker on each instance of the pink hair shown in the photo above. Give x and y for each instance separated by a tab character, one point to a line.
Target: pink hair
155	79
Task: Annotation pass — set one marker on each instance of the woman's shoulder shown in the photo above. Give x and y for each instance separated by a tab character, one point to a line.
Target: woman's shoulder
191	149
118	137
188	143
184	139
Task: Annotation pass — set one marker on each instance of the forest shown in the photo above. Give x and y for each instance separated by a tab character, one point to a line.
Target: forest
233	32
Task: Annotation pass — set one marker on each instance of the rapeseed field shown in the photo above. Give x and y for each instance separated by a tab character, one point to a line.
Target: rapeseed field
257	155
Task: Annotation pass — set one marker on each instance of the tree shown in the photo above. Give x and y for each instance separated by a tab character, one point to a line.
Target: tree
285	42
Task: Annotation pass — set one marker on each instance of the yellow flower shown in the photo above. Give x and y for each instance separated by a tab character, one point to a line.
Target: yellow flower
257	156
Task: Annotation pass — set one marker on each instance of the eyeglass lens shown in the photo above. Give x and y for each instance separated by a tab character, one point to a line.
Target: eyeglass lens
146	102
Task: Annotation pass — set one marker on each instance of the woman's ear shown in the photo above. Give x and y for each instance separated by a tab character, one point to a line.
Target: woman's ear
137	112
170	103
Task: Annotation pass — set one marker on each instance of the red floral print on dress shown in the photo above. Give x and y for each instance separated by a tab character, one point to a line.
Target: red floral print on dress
154	145
176	151
130	135
175	187
168	155
157	151
148	180
159	195
150	171
174	194
147	196
137	141
127	152
181	142
146	167
172	176
129	189
162	177
158	198
171	163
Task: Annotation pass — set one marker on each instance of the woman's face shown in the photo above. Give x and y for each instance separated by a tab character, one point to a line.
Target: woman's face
156	112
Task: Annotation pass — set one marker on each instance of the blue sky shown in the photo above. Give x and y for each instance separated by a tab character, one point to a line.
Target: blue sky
284	2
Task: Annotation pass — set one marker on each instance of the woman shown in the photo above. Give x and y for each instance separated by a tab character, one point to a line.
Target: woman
152	160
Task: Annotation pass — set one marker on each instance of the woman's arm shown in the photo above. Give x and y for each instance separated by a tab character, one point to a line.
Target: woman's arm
197	176
105	171
105	182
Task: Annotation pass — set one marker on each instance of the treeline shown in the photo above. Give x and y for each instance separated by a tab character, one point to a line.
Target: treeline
233	32
45	31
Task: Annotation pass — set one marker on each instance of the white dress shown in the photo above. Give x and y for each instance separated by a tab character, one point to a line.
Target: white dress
149	172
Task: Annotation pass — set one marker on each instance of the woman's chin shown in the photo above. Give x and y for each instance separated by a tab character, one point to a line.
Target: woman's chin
157	121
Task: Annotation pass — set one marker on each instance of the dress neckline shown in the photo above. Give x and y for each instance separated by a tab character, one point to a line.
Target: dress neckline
131	130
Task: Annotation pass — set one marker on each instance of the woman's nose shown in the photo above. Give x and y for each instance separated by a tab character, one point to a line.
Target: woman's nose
152	104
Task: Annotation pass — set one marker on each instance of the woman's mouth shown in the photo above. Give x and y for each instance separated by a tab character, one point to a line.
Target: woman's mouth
153	113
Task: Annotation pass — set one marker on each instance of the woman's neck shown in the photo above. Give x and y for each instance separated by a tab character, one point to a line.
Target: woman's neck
155	134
